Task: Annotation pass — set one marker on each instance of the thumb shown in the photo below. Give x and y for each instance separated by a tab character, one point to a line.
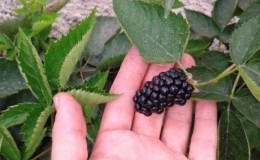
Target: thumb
69	130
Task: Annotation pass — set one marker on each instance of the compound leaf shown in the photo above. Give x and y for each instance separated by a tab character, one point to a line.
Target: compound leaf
223	11
97	80
245	41
233	142
11	80
32	69
196	47
248	106
8	148
164	42
251	75
202	24
63	55
91	96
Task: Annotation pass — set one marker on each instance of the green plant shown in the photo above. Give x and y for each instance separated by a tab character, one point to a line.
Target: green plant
231	79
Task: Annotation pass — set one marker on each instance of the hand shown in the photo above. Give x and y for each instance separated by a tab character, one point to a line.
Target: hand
127	135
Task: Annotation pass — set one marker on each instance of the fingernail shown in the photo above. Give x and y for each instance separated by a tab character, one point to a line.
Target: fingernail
56	100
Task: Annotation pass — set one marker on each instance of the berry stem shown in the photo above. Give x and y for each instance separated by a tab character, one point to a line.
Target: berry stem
183	69
227	72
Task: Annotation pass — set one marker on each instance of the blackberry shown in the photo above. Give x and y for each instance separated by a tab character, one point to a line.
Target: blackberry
165	90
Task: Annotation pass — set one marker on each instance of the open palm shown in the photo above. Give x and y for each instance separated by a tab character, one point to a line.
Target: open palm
177	134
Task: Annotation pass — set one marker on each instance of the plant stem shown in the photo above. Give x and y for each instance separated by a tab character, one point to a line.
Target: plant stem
225	73
233	91
41	154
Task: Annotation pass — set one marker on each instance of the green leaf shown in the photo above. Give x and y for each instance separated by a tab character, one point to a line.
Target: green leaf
112	62
32	70
63	55
251	75
217	92
17	114
5	42
250	12
114	52
244	4
248	106
98	80
8	148
233	142
227	32
252	132
44	21
91	96
33	129
245	41
202	24
93	128
11	80
196	47
223	11
168	4
215	60
164	42
104	29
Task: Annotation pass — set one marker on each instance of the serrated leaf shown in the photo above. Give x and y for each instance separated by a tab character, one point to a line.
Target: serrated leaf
32	70
196	47
63	55
44	21
11	80
33	129
164	42
233	142
215	60
223	11
202	24
218	92
93	128
91	96
251	12
245	41
248	106
8	148
104	29
5	42
251	75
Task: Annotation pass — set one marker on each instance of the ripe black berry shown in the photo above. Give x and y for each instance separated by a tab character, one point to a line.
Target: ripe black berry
165	90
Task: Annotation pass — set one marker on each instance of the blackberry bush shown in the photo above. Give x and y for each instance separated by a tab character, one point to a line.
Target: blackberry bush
165	90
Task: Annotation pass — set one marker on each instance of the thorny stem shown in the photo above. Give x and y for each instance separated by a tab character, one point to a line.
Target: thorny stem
233	91
225	73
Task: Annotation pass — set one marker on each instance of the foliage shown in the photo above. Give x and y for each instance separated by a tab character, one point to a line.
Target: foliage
33	64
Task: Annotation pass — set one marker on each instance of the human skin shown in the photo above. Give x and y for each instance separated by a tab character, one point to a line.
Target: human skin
180	133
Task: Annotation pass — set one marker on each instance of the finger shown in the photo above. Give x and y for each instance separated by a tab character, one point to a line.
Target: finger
176	130
69	130
150	126
204	138
119	113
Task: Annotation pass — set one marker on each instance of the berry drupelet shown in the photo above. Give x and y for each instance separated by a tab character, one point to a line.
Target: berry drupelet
165	90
